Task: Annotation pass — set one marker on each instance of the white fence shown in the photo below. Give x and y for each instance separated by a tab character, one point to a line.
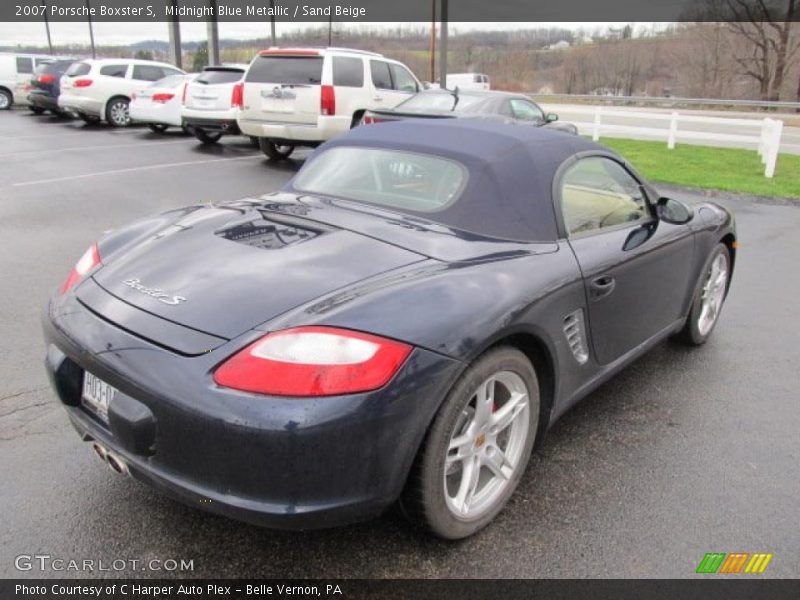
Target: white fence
764	135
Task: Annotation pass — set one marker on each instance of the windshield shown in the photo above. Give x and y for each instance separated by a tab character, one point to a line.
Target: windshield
77	69
294	70
439	102
171	81
393	178
216	76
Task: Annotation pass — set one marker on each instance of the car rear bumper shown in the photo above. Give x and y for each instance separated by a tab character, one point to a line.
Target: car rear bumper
324	129
280	462
81	105
41	99
163	114
221	125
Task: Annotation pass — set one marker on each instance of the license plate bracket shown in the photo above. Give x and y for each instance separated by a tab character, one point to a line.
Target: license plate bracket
97	395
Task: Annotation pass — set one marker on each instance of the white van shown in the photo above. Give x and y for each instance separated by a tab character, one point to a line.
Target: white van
16	72
468	81
96	90
306	96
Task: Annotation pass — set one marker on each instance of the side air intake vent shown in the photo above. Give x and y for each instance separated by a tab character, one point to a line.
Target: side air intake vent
575	332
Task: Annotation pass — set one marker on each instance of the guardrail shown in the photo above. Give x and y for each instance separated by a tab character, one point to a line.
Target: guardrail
765	136
666	101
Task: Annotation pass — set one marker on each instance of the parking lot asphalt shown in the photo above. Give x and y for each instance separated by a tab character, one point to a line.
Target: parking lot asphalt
687	451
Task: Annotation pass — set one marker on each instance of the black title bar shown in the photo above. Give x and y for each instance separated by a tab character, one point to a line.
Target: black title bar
708	588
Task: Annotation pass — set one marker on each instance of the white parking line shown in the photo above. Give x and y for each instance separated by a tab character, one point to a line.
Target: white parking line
133	169
59	135
106	147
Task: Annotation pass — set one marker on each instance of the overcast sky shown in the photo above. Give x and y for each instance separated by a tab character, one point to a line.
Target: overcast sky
126	33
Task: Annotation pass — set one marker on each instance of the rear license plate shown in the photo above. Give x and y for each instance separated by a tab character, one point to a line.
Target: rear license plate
97	395
280	105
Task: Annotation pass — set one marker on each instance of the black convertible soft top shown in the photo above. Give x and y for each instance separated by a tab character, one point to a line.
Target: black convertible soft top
508	194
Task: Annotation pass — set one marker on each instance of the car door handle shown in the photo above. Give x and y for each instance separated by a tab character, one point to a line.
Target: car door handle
601	287
378	98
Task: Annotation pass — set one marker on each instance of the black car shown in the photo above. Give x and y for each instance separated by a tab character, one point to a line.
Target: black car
46	86
403	321
503	107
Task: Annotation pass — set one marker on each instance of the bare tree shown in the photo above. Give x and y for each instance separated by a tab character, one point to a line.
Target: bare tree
767	30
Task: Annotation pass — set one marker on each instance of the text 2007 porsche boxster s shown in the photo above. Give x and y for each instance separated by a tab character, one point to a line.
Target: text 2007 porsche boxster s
401	322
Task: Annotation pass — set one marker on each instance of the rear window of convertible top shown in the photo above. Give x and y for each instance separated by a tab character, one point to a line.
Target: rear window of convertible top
391	178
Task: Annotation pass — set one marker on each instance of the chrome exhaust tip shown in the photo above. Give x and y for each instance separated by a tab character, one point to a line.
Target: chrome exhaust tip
99	451
114	462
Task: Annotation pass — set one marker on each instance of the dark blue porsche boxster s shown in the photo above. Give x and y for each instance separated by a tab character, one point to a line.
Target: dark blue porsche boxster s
402	322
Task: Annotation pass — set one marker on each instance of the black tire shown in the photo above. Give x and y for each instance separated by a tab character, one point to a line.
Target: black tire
423	499
37	110
692	333
157	127
207	137
273	151
117	113
90	119
6	100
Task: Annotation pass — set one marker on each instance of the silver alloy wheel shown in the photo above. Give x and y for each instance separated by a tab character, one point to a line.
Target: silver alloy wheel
5	102
486	445
119	113
713	294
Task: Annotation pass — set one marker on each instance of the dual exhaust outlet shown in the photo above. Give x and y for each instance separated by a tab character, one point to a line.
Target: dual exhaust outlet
113	460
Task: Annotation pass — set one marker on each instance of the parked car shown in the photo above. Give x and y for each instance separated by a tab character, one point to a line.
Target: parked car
212	102
468	81
15	74
305	96
503	107
45	86
96	90
159	104
403	321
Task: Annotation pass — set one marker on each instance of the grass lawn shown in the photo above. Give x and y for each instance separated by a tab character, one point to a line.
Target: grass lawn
728	169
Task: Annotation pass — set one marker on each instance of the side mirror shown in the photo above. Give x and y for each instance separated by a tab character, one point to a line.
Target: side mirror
673	212
426	85
550	118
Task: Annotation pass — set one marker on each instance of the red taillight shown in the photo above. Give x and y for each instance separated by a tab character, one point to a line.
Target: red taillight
47	78
371	120
313	361
183	96
237	95
327	100
87	262
82	83
162	98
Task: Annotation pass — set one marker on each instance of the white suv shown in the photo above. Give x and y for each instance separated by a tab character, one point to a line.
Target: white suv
212	101
96	90
305	96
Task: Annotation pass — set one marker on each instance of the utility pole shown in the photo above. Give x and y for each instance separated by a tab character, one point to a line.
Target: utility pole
272	21
47	27
443	47
330	30
433	40
174	29
212	30
91	28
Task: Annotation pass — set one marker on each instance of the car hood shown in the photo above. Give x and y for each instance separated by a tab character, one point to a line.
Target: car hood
224	270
